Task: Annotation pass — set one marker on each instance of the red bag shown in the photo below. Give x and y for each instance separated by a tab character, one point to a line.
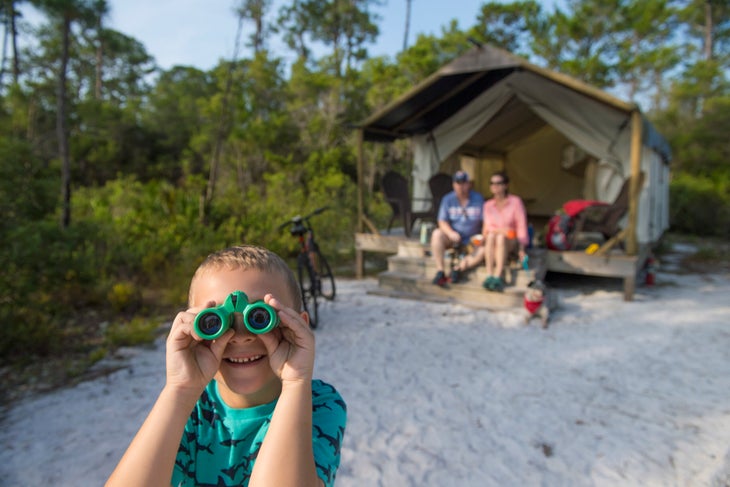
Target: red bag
560	228
573	207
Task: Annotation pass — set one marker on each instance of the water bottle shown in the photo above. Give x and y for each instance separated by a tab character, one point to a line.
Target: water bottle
425	232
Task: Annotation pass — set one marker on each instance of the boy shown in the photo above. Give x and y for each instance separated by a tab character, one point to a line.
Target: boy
241	409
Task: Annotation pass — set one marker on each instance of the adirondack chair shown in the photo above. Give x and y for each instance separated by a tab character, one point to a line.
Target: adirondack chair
604	218
397	194
439	184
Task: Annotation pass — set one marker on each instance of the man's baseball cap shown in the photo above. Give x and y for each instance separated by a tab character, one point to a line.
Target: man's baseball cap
461	177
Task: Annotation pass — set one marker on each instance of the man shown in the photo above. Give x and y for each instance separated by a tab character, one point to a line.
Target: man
459	218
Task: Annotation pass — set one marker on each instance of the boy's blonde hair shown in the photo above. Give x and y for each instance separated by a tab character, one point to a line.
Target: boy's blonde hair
250	257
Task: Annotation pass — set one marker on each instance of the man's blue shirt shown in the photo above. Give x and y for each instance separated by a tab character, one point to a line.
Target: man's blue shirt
466	220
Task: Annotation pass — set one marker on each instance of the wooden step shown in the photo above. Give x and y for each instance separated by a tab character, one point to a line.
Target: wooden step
411	271
425	267
469	293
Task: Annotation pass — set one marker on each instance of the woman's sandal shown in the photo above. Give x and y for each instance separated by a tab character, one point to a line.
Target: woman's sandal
498	285
493	283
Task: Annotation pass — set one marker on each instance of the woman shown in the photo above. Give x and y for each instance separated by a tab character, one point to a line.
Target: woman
504	229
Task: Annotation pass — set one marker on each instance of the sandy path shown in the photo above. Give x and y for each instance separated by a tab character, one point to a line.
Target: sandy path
613	393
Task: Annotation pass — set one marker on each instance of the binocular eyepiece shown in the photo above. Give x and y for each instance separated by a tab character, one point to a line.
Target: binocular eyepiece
258	317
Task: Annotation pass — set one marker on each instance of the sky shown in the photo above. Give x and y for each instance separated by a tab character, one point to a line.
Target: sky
202	32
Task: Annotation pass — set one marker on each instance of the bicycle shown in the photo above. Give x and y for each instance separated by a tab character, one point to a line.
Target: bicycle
313	271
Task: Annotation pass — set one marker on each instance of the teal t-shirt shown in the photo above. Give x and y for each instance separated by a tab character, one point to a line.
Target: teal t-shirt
220	444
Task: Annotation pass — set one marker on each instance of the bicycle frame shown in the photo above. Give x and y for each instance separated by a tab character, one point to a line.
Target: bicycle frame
305	235
313	271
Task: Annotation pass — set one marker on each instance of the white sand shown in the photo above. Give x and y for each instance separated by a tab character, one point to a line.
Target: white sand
613	393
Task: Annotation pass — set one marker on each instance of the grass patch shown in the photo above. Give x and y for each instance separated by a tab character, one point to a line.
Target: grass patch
75	347
137	331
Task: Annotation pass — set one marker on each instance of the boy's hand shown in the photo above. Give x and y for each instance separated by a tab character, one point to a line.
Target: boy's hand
191	361
291	345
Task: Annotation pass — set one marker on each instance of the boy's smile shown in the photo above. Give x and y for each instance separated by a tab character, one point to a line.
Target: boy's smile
245	360
245	377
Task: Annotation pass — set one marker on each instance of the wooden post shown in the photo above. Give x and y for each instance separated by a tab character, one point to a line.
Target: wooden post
636	146
629	287
359	257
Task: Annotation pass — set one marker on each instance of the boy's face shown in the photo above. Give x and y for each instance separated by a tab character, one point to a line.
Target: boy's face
244	377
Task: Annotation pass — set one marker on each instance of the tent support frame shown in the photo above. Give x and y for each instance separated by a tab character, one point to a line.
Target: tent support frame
636	135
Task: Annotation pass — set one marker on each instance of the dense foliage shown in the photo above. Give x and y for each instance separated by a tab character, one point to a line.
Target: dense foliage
117	178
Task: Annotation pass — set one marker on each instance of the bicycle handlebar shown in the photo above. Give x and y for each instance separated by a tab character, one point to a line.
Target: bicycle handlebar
317	211
298	219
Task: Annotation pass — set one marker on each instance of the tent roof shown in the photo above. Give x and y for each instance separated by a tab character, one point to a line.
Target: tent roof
455	85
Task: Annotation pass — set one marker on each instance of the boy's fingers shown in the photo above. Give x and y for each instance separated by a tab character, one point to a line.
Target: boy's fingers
271	341
182	324
218	345
285	313
185	320
293	327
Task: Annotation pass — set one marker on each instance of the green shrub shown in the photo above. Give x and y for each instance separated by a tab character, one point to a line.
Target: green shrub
29	331
49	274
132	244
97	355
124	296
137	331
700	205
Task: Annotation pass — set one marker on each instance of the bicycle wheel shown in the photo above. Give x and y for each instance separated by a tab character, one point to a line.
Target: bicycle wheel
326	278
306	277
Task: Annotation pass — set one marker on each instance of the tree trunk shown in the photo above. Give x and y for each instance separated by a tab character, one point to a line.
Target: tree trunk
14	40
61	127
99	58
223	123
11	30
6	31
408	24
708	31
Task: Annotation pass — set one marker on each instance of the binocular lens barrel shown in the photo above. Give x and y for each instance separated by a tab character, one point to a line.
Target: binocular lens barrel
209	325
258	317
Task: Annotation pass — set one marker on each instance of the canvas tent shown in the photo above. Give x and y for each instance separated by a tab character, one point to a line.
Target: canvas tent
558	138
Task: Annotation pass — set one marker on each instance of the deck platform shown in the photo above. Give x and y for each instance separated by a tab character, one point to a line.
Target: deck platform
411	269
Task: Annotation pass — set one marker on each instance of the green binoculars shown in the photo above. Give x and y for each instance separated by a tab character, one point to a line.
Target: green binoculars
258	317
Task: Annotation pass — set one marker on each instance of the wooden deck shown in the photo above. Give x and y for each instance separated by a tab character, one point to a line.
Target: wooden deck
410	271
614	264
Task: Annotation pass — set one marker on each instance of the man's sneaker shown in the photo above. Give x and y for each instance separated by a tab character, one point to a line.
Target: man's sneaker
440	279
455	276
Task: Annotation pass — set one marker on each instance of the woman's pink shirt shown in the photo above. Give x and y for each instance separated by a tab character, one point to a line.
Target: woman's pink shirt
511	216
